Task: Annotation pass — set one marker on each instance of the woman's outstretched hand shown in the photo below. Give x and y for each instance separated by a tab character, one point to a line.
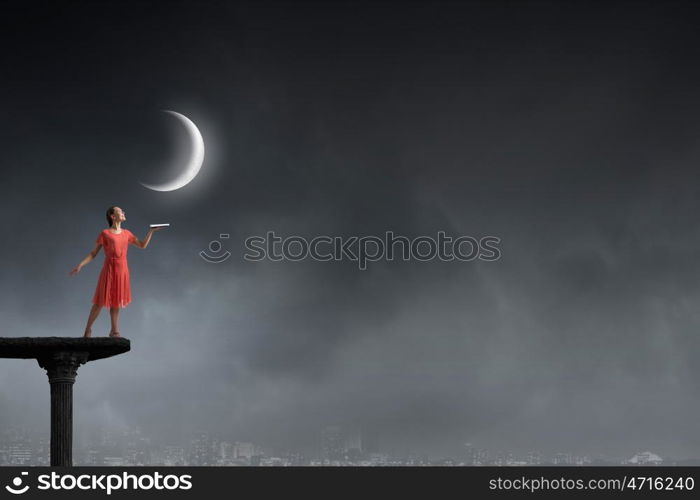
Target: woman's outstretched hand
75	270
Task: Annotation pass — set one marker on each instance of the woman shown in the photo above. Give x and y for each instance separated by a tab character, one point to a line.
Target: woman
113	286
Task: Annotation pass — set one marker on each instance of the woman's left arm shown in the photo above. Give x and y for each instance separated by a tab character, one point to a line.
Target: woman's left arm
144	243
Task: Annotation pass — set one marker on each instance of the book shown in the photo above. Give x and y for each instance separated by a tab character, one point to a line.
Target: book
160	225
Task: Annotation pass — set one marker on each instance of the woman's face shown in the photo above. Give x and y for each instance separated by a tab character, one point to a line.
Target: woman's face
119	215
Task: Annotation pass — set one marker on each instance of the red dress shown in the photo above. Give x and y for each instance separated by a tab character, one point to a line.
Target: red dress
113	286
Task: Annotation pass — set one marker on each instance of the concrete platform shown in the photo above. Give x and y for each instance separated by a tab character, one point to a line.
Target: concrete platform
39	347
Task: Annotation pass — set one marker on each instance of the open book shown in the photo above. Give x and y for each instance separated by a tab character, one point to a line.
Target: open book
160	225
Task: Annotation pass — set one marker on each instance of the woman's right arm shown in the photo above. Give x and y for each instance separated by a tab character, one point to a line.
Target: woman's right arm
87	259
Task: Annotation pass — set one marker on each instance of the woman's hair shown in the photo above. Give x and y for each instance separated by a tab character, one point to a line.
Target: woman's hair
110	211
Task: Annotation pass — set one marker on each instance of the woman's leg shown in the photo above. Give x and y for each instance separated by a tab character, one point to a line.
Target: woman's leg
114	314
94	312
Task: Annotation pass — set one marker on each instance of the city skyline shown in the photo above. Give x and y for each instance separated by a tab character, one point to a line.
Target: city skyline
129	447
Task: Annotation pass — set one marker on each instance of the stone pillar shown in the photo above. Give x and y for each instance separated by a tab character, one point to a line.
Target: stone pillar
62	368
61	357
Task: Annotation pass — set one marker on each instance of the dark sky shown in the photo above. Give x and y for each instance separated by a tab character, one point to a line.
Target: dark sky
567	129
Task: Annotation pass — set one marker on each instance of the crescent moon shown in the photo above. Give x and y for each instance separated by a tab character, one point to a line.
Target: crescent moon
193	164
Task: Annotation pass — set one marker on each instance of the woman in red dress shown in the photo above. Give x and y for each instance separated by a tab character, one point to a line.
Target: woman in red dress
113	286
